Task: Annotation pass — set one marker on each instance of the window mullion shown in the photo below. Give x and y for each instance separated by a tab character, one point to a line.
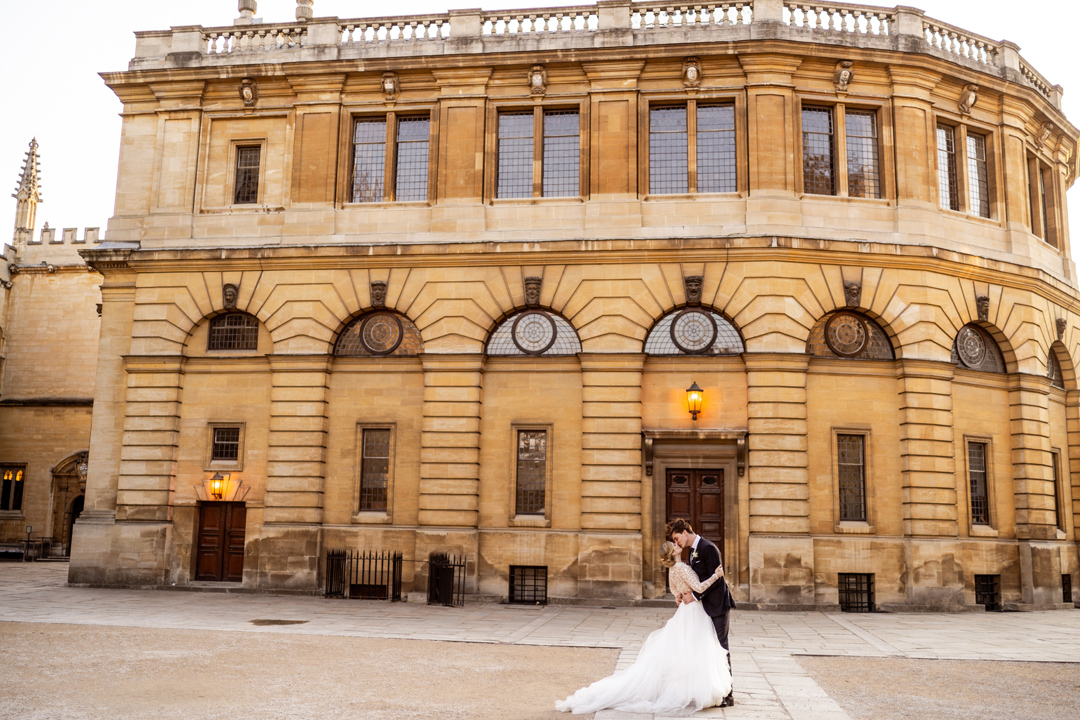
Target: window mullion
840	162
691	145
962	186
389	191
538	151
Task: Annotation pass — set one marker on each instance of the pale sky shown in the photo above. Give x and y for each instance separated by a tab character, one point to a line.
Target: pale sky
54	49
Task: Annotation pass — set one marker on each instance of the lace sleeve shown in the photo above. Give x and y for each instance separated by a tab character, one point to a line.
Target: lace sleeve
689	578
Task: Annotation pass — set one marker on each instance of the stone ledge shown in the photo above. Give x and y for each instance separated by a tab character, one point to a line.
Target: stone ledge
1036	607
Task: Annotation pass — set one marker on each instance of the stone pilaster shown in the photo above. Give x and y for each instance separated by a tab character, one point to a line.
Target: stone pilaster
609	548
295	469
145	484
927	452
450	441
781	562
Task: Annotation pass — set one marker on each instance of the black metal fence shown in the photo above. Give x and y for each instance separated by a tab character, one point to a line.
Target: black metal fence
446	580
363	575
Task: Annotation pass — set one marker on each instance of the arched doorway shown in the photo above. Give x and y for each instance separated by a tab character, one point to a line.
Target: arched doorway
68	488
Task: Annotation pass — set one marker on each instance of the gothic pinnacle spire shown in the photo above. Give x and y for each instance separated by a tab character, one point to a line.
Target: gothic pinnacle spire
29	187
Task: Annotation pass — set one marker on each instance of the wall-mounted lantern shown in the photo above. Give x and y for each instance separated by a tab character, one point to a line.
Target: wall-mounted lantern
693	400
217	486
221	487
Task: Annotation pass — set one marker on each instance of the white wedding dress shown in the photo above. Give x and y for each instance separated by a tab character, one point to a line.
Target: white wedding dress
679	670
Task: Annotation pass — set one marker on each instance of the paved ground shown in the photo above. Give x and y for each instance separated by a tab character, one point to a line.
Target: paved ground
772	678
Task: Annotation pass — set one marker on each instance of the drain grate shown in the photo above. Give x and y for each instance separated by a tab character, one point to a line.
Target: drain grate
278	622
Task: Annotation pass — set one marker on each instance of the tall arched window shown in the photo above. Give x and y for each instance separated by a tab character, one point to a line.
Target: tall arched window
233	331
693	331
1053	370
849	335
379	334
976	349
534	332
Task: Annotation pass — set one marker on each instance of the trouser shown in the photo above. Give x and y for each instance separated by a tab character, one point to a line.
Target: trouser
722	623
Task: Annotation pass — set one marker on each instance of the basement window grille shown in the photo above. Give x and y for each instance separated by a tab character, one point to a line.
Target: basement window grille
235	331
1066	588
528	584
856	592
988	592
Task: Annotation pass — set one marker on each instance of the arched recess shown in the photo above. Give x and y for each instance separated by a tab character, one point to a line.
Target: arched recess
694	331
534	332
975	348
1059	367
68	488
849	335
379	333
229	333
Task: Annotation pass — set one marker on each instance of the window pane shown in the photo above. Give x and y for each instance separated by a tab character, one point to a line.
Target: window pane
980	502
852	470
946	151
716	148
515	178
864	178
1059	502
978	188
413	137
226	444
235	331
369	160
374	469
247	175
668	164
817	133
562	144
6	488
531	471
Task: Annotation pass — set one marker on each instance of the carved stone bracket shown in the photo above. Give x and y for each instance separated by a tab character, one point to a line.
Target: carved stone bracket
649	438
844	74
249	92
538	81
391	86
982	304
1044	133
691	72
968	97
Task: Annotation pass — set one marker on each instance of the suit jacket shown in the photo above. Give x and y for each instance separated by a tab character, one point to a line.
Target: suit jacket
717	599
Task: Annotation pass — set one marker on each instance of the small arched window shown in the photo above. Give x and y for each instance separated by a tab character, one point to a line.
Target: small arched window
849	335
693	331
379	334
233	331
534	332
1053	371
975	349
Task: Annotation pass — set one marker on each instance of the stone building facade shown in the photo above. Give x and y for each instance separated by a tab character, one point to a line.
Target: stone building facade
48	354
440	284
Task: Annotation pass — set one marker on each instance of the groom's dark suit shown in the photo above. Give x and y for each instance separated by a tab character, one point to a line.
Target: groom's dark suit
716	600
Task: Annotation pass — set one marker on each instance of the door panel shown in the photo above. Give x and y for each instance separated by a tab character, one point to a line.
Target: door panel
220	544
697	496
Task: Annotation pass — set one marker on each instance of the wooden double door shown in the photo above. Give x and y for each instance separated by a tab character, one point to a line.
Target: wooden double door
697	496
220	541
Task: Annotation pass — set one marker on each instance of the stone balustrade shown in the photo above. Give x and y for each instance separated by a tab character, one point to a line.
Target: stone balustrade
608	22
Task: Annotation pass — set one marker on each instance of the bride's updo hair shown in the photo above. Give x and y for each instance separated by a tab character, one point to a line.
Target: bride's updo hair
667	551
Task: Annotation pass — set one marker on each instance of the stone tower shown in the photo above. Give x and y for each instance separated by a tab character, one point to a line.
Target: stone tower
28	195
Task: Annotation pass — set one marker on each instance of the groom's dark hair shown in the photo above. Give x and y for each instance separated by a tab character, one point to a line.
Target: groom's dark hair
678	525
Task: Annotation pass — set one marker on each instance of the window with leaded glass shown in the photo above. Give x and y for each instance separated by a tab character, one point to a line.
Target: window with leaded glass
11	486
1040	191
247	175
948	194
553	137
374	468
851	469
707	165
980	497
861	135
531	472
818	151
1059	495
233	331
390	158
225	444
978	179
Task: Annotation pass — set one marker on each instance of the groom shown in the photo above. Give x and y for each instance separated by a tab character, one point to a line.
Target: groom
717	600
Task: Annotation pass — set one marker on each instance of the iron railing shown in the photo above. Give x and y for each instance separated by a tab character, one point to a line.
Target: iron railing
363	575
446	580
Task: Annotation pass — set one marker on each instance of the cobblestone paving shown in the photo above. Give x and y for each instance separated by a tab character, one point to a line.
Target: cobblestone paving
769	682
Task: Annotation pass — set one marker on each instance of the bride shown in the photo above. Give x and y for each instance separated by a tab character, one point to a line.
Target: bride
679	670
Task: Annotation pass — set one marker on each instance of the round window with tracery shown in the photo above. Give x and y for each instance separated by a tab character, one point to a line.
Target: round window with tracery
846	334
693	331
971	347
534	332
381	333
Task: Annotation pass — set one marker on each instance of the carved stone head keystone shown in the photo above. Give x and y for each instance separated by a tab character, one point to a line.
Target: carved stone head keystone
229	294
378	293
692	284
532	290
853	295
1061	323
982	304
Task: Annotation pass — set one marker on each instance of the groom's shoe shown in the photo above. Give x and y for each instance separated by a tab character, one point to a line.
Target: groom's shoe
729	701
